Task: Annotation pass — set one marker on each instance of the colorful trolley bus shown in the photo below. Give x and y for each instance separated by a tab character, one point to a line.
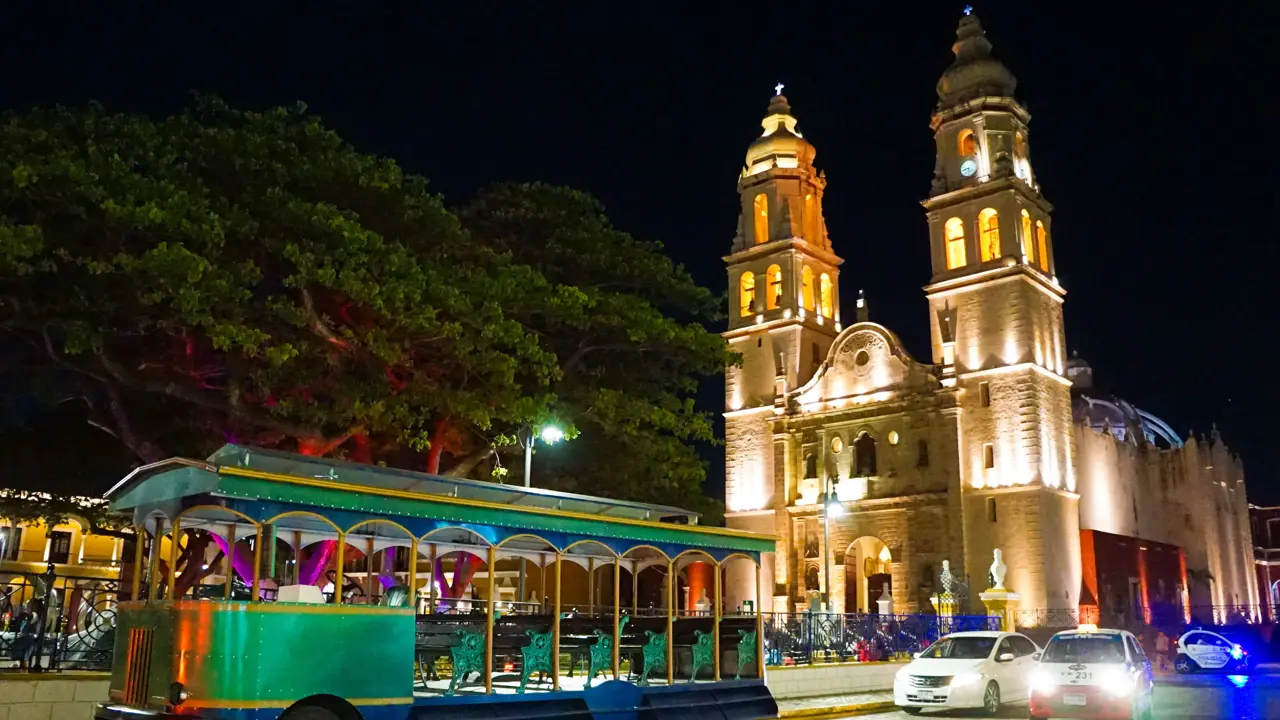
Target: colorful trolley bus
276	585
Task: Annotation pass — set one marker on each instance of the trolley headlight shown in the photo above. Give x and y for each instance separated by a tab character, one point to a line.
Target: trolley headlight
177	694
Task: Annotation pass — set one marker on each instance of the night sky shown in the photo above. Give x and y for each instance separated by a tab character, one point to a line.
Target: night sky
1152	133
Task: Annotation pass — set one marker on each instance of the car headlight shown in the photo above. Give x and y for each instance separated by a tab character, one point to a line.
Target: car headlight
965	679
1117	681
1042	682
1237	652
901	676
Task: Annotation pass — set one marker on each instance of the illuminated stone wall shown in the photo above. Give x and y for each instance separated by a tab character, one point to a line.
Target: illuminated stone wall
1192	497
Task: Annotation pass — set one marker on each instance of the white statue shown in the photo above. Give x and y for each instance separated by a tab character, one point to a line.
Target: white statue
703	604
885	600
948	580
998	570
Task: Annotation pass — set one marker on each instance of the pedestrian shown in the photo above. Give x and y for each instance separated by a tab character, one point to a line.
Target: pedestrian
1162	651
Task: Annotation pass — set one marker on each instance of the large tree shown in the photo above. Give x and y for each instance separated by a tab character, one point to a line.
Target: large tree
254	278
223	275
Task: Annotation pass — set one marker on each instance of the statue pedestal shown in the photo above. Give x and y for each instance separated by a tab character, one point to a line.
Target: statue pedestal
1002	603
945	604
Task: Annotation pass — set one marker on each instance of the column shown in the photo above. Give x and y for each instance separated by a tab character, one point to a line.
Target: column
153	559
173	557
671	621
230	562
488	634
555	631
617	615
715	623
257	566
413	575
431	580
140	539
759	621
337	576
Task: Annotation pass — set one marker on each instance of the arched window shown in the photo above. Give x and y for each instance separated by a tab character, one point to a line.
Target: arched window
824	295
1042	240
761	216
1028	241
989	234
954	232
812	223
806	289
966	143
773	287
811	466
864	456
747	293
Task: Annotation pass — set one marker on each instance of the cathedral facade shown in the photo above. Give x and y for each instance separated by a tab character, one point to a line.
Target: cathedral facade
873	467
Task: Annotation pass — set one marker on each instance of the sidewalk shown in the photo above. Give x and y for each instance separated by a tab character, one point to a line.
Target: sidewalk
832	706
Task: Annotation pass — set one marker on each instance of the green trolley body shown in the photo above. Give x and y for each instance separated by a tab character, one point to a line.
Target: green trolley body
213	656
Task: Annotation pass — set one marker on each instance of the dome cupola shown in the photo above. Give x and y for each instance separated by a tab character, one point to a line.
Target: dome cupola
974	73
781	144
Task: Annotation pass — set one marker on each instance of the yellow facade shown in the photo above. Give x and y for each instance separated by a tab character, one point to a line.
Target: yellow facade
73	551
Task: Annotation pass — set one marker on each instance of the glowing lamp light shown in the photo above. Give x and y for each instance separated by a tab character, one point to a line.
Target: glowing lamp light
834	508
551	434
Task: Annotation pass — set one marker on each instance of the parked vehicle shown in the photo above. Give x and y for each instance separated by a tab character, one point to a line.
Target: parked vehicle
967	670
1091	673
1204	650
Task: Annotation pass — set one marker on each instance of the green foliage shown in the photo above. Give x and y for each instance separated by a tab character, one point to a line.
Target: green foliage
249	276
627	326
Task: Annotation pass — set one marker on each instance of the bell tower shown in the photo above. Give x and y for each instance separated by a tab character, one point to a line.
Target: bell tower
784	298
996	328
783	289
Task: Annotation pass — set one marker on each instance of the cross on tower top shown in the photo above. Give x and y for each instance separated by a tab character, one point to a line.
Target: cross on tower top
968	9
778	88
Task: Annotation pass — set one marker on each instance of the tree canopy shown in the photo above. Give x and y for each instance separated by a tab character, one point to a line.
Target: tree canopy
225	276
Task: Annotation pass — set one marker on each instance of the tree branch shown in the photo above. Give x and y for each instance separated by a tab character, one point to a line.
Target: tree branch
173	389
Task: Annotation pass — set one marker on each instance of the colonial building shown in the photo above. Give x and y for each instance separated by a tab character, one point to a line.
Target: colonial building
996	441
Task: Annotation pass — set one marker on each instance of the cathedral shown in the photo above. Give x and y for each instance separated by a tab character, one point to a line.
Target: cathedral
872	467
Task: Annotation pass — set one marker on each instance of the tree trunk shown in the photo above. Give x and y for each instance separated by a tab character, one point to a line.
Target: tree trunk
437	446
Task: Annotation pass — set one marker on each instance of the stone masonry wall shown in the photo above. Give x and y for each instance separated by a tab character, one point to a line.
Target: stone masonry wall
70	696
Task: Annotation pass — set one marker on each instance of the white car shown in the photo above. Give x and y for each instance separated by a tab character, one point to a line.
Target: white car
1204	650
1091	673
967	670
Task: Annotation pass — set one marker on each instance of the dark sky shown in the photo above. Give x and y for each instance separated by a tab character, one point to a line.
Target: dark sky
1152	132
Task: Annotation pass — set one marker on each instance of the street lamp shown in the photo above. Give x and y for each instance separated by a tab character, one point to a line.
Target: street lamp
550	435
831	508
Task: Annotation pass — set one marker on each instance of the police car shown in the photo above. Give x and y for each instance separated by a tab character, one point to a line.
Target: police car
1204	650
1092	673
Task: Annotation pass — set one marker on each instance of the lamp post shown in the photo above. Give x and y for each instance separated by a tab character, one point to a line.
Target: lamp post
550	435
831	508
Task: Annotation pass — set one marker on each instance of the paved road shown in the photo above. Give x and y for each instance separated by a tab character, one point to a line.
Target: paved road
1197	697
